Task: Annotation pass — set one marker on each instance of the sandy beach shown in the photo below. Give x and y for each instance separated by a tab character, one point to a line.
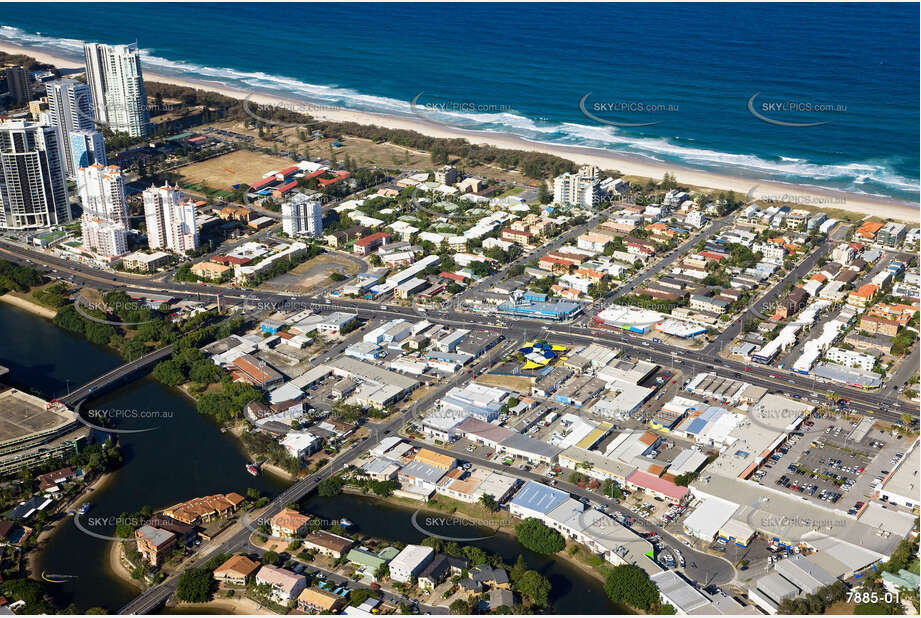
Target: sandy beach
629	166
26	305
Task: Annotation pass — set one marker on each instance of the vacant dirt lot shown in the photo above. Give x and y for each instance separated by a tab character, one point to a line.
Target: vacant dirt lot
240	167
311	274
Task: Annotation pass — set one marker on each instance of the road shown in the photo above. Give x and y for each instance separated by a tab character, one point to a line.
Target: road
709	569
879	404
765	305
239	540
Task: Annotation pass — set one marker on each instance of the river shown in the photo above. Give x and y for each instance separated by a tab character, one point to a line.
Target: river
187	456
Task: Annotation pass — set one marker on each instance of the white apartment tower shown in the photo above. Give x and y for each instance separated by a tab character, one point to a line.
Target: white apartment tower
575	190
116	81
69	109
170	220
33	190
105	214
302	215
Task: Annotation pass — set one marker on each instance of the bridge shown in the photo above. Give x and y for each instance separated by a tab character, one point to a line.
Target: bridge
119	374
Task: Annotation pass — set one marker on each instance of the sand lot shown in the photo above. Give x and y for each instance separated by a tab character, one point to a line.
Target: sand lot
240	167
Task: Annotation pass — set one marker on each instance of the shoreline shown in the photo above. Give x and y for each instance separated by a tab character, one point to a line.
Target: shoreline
506	530
34	557
798	194
28	305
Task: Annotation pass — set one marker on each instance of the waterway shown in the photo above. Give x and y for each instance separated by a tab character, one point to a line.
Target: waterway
187	456
572	590
183	457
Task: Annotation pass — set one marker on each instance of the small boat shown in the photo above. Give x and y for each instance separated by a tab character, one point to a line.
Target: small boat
84	508
252	469
347	523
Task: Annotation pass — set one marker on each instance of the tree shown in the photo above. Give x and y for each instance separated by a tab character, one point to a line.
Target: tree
535	587
475	555
488	501
611	490
269	557
534	535
330	487
629	584
194	586
460	607
543	193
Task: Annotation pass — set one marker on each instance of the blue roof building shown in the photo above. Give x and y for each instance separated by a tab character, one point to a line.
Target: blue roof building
536	500
556	310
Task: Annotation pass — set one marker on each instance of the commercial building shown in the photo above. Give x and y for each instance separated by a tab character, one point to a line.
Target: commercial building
378	387
33	431
170	220
901	487
368	244
471	485
116	82
301	444
535	500
33	191
69	109
302	215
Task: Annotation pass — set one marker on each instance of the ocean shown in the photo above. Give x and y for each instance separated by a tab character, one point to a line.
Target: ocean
817	94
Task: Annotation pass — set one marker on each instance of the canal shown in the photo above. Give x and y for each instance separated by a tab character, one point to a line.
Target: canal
185	456
572	590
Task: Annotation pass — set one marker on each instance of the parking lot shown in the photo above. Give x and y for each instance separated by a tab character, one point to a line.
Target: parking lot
825	464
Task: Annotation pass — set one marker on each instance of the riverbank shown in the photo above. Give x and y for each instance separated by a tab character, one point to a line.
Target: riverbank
507	529
33	557
118	569
28	305
237	605
237	432
862	204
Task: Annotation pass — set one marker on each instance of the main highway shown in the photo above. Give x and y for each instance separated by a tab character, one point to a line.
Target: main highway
882	404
